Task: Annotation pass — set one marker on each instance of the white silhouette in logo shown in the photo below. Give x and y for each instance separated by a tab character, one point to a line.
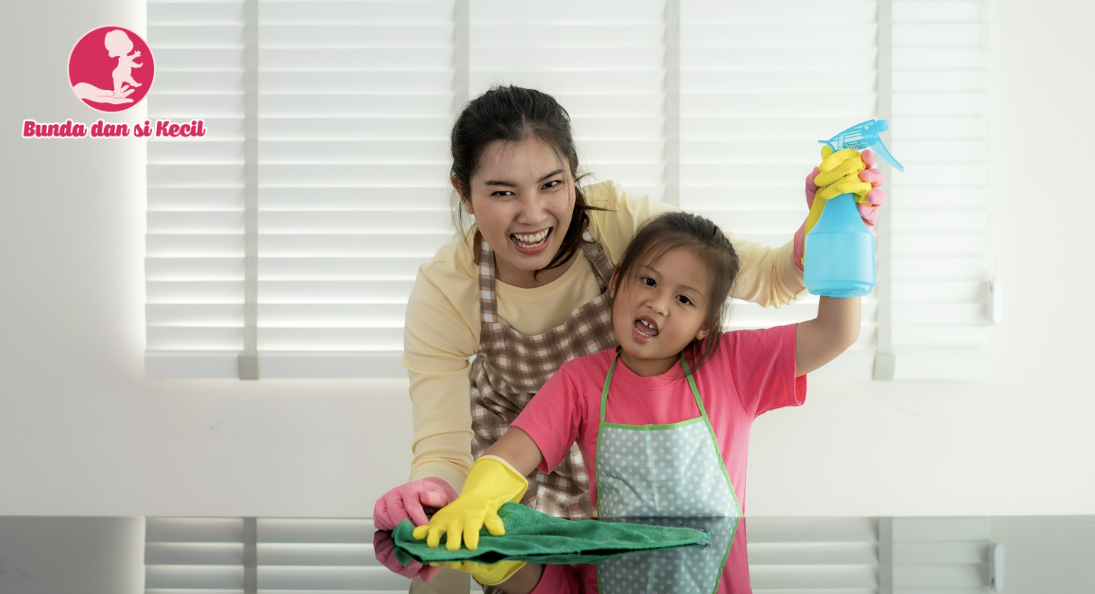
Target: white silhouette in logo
118	45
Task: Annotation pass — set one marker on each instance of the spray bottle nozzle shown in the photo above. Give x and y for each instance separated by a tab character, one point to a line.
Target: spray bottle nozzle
864	135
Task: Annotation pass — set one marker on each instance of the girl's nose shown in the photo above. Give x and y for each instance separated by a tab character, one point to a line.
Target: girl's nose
657	302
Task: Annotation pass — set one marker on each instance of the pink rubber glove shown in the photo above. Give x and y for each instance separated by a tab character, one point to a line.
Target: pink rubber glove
412	500
868	210
384	549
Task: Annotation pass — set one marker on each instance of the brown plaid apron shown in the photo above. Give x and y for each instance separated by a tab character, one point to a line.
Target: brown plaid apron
509	368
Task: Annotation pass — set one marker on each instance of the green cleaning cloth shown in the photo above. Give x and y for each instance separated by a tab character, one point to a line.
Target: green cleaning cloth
535	536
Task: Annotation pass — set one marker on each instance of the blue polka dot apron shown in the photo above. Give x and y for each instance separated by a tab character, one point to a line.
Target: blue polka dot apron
695	569
667	472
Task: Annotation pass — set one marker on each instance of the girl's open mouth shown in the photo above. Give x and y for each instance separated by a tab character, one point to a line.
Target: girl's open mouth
644	330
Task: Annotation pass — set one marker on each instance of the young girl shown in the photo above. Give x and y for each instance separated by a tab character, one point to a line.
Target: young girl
663	420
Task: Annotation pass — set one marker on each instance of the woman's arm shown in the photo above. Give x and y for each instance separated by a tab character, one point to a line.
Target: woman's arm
437	342
768	275
822	339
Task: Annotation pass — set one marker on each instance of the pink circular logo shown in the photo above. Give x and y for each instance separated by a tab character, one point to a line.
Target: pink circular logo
111	69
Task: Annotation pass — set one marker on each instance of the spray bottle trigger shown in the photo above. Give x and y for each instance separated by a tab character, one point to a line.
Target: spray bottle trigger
883	152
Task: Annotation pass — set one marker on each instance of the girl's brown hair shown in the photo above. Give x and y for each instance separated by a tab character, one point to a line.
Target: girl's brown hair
514	114
682	230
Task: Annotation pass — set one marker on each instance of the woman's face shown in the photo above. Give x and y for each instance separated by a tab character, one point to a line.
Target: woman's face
522	197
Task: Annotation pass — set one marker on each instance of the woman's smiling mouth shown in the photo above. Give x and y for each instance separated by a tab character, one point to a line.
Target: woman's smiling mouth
531	243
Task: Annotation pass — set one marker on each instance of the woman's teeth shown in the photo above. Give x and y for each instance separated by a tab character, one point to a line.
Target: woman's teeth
530	239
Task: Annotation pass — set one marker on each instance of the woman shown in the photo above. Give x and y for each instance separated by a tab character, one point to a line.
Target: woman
526	291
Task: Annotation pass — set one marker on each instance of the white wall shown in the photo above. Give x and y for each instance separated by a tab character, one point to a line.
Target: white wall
82	433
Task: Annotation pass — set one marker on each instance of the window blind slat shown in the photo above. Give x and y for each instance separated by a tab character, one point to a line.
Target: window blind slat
328	12
420	245
295	81
191	175
350	221
343	338
393	127
211	35
195	337
196	14
356	36
317	174
198	293
355	105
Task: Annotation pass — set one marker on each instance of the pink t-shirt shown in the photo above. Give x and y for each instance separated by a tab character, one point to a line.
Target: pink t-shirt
753	371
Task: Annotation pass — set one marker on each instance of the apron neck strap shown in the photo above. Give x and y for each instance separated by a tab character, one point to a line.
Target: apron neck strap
687	373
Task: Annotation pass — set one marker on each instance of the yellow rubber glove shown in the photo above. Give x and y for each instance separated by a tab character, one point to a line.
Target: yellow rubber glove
838	174
488	575
491	482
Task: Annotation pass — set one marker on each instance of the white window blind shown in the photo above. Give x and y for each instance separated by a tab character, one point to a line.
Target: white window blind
942	264
194	264
602	60
760	84
715	106
354	108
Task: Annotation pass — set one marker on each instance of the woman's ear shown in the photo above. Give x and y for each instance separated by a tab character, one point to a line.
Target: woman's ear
465	198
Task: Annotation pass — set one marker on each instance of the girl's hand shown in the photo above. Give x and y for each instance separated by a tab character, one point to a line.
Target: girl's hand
412	500
846	171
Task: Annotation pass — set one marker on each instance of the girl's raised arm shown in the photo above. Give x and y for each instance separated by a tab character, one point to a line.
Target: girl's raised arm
823	338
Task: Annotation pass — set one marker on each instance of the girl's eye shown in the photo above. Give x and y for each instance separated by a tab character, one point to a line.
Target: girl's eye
551	184
646	280
502	193
684	300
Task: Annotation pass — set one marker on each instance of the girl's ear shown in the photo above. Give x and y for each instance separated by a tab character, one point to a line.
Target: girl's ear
612	281
706	331
465	198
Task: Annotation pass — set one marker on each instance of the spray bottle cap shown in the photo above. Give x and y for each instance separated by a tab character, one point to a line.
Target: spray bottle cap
864	135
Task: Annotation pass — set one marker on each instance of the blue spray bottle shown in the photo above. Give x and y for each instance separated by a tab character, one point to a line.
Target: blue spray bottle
840	258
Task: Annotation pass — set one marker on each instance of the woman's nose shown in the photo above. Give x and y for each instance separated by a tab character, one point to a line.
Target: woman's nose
532	210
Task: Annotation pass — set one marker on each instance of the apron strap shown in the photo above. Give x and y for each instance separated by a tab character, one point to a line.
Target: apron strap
687	373
488	305
598	261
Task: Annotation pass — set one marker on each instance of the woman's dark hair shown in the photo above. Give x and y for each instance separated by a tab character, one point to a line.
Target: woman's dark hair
682	230
514	114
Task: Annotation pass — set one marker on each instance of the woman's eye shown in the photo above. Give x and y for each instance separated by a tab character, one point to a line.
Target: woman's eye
646	280
684	300
551	184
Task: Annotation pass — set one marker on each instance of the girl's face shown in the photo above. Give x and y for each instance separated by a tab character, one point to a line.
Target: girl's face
522	197
659	310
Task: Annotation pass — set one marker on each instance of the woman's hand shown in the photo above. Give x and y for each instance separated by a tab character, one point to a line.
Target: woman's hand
384	549
846	171
412	500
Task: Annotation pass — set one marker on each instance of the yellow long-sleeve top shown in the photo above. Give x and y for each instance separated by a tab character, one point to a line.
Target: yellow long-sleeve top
443	323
